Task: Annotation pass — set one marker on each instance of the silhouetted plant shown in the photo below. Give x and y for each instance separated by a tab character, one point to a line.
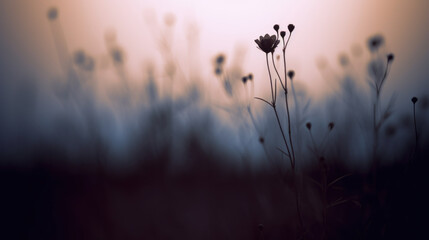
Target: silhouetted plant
268	44
378	70
59	40
324	184
82	145
414	101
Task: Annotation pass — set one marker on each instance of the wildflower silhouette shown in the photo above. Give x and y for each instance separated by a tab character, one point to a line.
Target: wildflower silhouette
267	43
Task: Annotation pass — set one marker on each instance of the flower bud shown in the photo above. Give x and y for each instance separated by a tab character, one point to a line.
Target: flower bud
331	126
291	27
218	71
283	34
390	57
276	27
414	100
291	74
308	125
220	59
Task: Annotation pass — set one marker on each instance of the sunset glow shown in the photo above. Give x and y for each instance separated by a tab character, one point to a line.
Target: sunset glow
218	119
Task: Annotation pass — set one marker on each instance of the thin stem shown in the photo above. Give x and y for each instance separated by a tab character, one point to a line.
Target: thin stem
60	45
323	145
298	208
289	127
249	110
287	155
263	144
264	101
325	199
375	121
252	90
415	124
314	144
286	100
295	99
284	59
271	81
275	68
297	116
384	77
292	163
246	96
275	88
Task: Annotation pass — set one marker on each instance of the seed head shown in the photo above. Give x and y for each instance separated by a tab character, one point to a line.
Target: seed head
218	71
375	42
276	27
291	27
283	34
220	59
390	57
414	100
308	125
250	77
244	79
331	126
291	74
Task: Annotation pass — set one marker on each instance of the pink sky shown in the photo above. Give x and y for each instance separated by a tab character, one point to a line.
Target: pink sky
323	28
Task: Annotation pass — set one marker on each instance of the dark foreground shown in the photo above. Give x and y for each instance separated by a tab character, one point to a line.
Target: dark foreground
210	202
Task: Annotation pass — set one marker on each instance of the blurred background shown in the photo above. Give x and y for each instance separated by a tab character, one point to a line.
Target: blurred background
182	39
143	100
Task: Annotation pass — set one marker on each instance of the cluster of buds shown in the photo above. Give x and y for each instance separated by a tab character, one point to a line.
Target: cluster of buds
247	78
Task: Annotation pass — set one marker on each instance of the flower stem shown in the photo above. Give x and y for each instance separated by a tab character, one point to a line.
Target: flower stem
415	124
284	137
287	106
293	159
278	75
273	100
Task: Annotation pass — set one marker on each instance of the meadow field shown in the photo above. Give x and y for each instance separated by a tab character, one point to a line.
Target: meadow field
190	148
